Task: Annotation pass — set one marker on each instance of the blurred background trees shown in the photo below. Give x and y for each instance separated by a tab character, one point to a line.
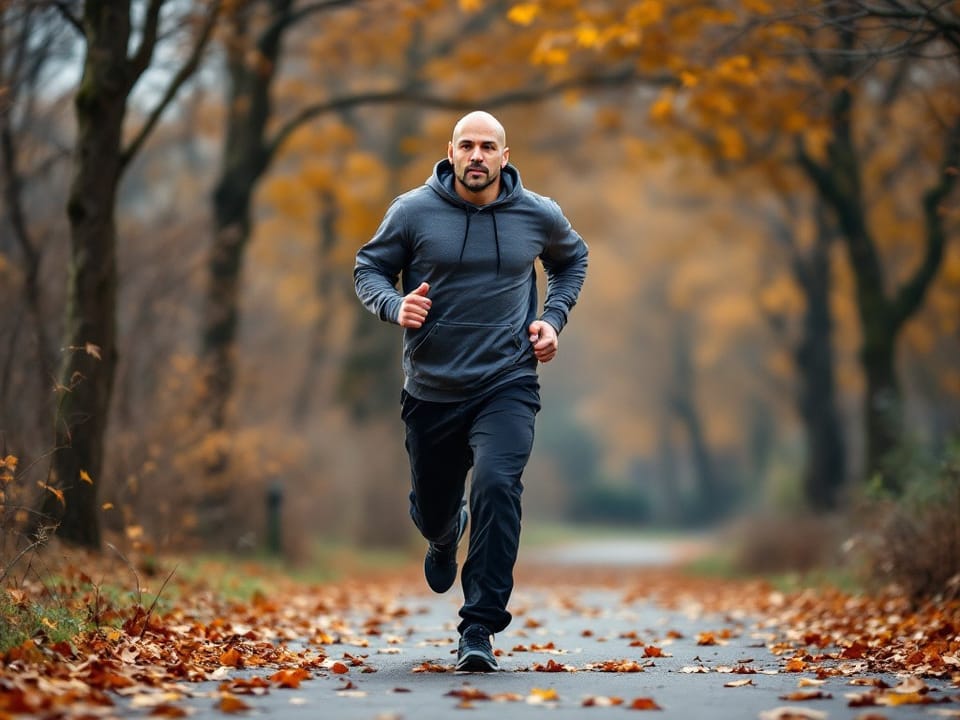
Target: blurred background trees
769	194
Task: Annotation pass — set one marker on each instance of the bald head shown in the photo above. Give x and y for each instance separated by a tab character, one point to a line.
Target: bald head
481	122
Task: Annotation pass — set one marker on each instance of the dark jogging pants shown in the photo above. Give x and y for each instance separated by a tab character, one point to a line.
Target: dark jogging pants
493	434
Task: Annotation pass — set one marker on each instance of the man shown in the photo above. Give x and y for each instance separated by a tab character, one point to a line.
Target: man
465	244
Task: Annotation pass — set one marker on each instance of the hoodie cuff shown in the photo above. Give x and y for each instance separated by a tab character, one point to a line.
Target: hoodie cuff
555	319
391	310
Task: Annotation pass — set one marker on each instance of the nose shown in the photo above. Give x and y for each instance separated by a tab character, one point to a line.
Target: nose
476	155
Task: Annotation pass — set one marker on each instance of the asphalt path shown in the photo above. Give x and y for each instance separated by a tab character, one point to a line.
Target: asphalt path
599	633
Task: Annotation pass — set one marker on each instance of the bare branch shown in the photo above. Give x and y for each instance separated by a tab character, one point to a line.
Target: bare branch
185	72
282	23
141	58
64	9
912	293
439	102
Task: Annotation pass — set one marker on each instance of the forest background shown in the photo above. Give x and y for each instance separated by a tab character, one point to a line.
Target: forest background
770	324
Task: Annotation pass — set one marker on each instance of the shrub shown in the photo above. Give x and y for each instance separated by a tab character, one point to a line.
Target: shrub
913	541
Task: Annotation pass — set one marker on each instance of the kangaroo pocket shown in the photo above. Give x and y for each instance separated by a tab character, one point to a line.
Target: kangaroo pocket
462	355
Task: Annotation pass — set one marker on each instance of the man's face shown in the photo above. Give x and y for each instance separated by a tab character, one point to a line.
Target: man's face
477	153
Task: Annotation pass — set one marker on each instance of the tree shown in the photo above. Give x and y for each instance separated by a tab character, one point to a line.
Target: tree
811	84
838	177
101	154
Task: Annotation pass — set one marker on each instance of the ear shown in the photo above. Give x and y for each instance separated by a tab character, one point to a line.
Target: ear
506	158
450	151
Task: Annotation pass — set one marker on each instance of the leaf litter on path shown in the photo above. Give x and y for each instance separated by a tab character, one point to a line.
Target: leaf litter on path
235	652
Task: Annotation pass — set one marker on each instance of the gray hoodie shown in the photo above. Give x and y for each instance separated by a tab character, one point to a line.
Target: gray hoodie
479	263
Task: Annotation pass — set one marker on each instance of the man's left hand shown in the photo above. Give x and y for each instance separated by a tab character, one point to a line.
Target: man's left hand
544	338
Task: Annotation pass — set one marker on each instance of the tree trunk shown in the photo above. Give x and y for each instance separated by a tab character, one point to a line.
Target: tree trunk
825	469
87	370
251	68
710	503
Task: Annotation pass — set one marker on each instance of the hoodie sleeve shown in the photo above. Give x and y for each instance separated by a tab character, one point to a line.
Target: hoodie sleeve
379	264
565	263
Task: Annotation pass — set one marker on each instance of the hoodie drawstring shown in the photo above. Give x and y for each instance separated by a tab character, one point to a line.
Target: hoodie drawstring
466	232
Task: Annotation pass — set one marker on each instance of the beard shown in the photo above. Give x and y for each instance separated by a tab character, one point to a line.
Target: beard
477	184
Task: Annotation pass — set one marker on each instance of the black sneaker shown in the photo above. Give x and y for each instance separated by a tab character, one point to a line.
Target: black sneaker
476	652
440	563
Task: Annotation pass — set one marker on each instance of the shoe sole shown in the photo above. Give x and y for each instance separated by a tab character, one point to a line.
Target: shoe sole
475	662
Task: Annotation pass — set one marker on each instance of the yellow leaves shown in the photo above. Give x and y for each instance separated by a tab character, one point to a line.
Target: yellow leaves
662	108
8	466
85	477
551	50
645	13
540	695
289	197
782	297
58	494
731	143
760	7
523	13
738	70
587	35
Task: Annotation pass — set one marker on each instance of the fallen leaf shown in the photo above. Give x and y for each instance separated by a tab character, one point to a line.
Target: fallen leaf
167	710
739	683
792	713
469	693
231	704
601	701
231	658
539	695
801	695
644	703
432	668
290	678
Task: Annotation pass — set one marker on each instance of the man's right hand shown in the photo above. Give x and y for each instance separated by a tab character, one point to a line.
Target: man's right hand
414	308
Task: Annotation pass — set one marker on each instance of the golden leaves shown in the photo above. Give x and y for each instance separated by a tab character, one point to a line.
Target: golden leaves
523	13
57	493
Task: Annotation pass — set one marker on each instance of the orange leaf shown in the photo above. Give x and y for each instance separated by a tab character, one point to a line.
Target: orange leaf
85	476
339	668
167	710
644	703
232	704
231	658
290	678
57	493
706	638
